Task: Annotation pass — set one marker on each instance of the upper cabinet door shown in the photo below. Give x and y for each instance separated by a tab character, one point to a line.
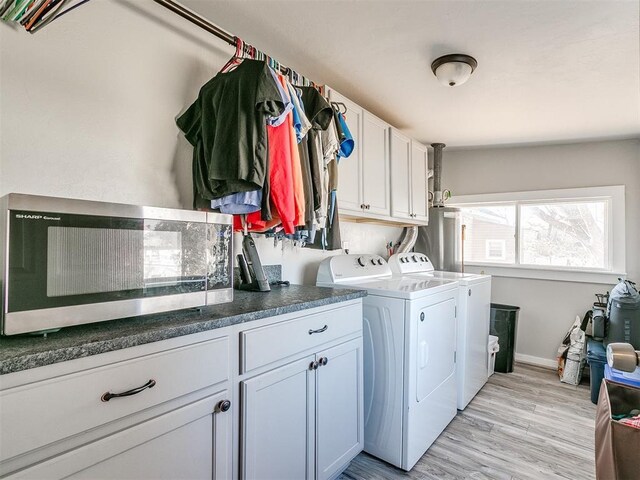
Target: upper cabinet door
419	168
400	175
349	178
375	166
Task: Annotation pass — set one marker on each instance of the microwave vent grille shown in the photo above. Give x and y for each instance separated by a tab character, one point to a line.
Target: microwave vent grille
93	260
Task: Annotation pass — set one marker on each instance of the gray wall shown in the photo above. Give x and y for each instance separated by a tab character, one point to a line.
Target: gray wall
548	308
87	109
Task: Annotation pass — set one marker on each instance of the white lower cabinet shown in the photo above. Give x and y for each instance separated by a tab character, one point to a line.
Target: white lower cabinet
192	442
339	408
303	419
157	411
277	418
280	400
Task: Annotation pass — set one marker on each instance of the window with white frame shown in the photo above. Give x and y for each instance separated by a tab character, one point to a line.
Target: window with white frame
580	229
565	234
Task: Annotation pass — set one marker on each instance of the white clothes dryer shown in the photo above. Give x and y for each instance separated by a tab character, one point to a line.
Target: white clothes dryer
409	355
474	304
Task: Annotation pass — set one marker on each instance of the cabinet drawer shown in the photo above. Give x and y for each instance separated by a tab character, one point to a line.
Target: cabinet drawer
190	442
41	413
264	345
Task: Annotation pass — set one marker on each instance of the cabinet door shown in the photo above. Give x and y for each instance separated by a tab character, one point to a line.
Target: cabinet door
190	442
375	166
339	407
400	175
349	168
419	168
278	423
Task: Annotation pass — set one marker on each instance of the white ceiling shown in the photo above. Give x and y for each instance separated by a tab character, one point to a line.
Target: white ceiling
548	71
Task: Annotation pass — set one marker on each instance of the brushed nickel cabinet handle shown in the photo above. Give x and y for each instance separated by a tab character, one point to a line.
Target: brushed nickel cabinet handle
320	330
108	395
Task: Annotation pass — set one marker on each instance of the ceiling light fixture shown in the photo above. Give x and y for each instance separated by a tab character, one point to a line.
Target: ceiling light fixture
454	69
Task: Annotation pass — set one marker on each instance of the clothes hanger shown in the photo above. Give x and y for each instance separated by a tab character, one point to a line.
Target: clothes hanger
47	16
237	56
44	7
340	108
30	11
72	7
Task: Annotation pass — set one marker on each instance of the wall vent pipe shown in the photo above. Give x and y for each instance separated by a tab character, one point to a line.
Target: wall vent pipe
408	239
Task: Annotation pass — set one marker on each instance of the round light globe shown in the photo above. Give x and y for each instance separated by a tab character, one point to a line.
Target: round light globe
453	70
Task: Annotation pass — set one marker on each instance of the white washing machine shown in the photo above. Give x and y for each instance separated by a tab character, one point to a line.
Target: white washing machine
409	355
474	304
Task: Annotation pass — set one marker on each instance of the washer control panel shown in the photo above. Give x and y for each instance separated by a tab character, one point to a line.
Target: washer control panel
352	266
410	263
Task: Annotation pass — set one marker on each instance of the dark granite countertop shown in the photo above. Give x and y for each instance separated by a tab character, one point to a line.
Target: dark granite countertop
25	351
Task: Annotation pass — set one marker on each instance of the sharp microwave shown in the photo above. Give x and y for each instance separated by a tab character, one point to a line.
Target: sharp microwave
67	262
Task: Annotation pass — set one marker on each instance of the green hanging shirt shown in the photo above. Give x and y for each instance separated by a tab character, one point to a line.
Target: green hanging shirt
227	127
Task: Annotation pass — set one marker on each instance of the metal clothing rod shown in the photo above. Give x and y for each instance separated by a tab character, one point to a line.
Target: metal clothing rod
197	20
206	25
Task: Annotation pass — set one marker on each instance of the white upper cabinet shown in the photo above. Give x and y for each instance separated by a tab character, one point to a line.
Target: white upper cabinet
385	178
376	197
419	171
400	175
363	180
408	179
350	177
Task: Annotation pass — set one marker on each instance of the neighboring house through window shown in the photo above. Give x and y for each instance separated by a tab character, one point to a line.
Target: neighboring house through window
573	234
496	249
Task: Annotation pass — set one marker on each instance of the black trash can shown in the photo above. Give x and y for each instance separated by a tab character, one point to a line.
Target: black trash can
504	325
596	358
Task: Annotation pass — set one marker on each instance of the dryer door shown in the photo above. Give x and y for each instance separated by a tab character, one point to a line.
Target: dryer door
436	346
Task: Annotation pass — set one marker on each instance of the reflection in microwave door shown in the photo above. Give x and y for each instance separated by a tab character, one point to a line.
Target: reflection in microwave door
162	254
219	257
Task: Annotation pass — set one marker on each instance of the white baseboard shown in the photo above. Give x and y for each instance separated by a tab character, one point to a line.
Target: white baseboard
537	361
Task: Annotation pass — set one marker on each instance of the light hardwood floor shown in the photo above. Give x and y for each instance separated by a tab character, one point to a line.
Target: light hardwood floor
521	425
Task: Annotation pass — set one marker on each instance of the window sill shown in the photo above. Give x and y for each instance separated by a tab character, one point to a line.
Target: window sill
609	278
